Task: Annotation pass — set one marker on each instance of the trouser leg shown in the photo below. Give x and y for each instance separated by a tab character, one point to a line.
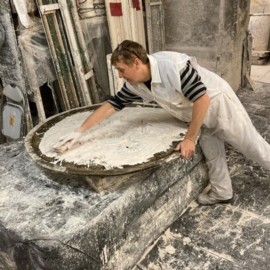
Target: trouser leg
235	127
250	143
214	152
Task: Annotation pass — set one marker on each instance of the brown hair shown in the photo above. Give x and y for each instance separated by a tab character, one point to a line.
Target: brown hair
128	51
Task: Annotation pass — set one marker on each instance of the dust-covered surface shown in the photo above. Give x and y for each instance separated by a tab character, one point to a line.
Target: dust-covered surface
10	67
53	224
36	56
225	237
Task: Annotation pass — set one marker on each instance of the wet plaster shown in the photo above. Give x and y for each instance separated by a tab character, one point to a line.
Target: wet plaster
54	223
234	236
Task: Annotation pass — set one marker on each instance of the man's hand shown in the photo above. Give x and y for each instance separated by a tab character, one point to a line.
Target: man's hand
186	147
199	110
67	141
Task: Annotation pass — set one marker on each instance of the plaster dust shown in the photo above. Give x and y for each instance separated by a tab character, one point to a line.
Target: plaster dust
129	137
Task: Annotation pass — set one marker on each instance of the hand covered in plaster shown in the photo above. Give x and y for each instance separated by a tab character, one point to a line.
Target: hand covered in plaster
186	147
67	141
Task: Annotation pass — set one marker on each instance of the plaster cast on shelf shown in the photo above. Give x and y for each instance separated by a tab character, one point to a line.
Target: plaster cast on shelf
129	137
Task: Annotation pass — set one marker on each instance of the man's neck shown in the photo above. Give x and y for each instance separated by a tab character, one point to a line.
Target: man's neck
146	70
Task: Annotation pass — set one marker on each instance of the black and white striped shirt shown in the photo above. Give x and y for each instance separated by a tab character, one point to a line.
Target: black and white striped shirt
123	98
192	89
192	86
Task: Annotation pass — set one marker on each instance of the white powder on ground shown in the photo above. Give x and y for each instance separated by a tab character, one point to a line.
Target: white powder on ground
129	137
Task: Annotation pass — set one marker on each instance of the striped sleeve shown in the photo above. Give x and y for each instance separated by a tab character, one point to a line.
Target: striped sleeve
192	86
123	98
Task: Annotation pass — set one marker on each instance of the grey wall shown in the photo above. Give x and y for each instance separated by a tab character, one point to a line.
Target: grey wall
260	25
212	31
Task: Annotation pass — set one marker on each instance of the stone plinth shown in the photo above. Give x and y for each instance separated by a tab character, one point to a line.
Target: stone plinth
48	224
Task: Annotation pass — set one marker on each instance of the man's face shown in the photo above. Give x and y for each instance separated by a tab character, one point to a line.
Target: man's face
128	72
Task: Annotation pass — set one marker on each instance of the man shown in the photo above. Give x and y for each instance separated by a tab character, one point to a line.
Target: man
192	94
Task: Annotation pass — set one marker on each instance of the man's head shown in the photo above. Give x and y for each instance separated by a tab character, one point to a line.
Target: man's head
127	51
131	61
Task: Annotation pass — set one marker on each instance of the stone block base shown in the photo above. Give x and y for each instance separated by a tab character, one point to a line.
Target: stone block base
45	224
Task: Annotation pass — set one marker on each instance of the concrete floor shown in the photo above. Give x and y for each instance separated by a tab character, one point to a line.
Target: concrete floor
226	237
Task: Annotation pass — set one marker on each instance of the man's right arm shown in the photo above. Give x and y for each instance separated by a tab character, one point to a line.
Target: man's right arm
100	114
123	98
66	142
114	104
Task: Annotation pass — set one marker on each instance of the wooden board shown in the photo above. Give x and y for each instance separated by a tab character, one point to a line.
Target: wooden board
69	54
129	25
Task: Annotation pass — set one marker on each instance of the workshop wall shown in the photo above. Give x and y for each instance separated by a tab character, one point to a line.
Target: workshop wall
215	32
259	27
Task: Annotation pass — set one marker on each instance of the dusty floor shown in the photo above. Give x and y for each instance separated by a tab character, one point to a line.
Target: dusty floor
224	237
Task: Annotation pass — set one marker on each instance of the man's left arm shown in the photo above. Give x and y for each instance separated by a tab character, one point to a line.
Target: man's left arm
200	108
194	90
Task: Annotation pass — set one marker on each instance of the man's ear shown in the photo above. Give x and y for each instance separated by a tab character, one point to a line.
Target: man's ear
137	62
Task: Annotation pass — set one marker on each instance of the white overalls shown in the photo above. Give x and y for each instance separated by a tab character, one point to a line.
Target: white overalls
226	119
